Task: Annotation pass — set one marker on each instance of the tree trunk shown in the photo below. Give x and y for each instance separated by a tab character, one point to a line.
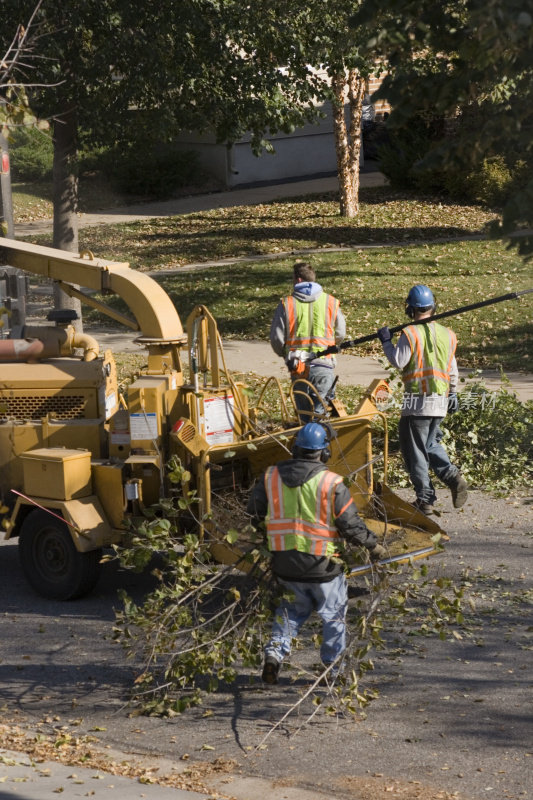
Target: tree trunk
65	197
348	138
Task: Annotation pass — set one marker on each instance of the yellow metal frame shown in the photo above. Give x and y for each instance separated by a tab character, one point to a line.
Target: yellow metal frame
85	518
160	329
155	313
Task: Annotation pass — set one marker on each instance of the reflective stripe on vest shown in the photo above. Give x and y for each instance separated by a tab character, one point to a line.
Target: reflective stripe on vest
432	351
311	326
302	517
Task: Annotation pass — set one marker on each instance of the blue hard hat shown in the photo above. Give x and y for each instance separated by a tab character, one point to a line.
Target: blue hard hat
420	296
311	437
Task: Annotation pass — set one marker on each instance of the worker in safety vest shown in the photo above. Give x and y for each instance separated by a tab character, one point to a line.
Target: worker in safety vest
426	355
304	323
308	510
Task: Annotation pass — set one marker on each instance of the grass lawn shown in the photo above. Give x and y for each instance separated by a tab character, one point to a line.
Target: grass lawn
371	283
33	201
372	286
307	222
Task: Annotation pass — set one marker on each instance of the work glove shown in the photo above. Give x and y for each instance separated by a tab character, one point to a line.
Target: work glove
384	335
453	403
378	552
292	363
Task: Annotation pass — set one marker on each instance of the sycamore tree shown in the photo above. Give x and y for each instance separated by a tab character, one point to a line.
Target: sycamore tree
232	67
463	58
309	47
349	61
236	67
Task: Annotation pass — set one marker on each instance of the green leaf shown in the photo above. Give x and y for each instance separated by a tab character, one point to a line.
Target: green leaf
232	535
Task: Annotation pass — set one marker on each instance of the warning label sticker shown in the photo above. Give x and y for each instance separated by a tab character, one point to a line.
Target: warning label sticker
110	404
219	419
143	426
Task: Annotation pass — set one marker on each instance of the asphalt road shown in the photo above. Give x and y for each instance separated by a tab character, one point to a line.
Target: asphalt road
451	717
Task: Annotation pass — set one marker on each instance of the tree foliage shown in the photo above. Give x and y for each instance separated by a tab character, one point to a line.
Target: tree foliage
198	64
232	67
18	71
463	59
204	625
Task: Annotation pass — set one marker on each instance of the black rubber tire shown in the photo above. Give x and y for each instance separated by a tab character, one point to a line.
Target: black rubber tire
50	561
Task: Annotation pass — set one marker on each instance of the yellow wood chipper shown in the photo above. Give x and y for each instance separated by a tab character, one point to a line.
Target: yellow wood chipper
79	461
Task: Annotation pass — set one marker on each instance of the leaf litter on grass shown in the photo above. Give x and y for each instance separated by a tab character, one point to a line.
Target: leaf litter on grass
371	284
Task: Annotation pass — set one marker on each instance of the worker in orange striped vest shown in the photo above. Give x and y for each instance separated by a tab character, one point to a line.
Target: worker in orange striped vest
426	355
308	511
304	323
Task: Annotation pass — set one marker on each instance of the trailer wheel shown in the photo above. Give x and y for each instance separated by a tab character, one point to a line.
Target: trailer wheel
50	561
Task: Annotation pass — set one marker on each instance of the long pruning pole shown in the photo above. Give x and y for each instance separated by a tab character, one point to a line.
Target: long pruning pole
335	348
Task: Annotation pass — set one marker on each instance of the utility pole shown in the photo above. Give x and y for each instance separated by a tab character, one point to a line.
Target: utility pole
6	201
13	283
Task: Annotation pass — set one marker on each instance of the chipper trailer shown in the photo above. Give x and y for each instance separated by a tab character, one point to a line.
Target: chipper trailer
80	462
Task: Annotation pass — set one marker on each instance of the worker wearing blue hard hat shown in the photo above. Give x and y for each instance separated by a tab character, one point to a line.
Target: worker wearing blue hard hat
425	354
308	510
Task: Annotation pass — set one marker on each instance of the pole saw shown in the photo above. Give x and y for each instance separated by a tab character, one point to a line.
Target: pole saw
336	348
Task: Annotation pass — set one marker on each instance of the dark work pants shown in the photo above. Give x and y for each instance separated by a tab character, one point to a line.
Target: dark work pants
420	439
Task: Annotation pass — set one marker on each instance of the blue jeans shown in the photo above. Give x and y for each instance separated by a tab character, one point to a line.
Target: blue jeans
328	599
420	439
307	402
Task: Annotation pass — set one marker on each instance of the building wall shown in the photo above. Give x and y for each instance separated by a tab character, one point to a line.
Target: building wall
306	153
382	107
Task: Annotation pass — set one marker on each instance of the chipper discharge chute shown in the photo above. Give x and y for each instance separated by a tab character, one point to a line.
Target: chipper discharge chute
80	462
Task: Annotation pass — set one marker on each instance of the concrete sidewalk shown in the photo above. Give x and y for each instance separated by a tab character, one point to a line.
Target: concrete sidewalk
204	202
258	357
24	779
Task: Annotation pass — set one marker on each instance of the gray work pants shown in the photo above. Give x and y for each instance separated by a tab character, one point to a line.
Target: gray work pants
307	402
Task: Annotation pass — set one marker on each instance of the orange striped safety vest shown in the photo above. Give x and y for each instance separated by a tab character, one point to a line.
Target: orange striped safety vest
432	350
302	517
311	326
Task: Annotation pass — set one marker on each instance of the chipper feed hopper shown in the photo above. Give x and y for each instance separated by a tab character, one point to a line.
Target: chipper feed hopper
79	462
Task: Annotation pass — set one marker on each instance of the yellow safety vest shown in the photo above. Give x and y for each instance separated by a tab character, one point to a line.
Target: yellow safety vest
311	326
302	517
432	350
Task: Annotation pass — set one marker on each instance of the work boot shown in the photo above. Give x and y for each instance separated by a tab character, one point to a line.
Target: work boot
459	490
270	670
425	508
